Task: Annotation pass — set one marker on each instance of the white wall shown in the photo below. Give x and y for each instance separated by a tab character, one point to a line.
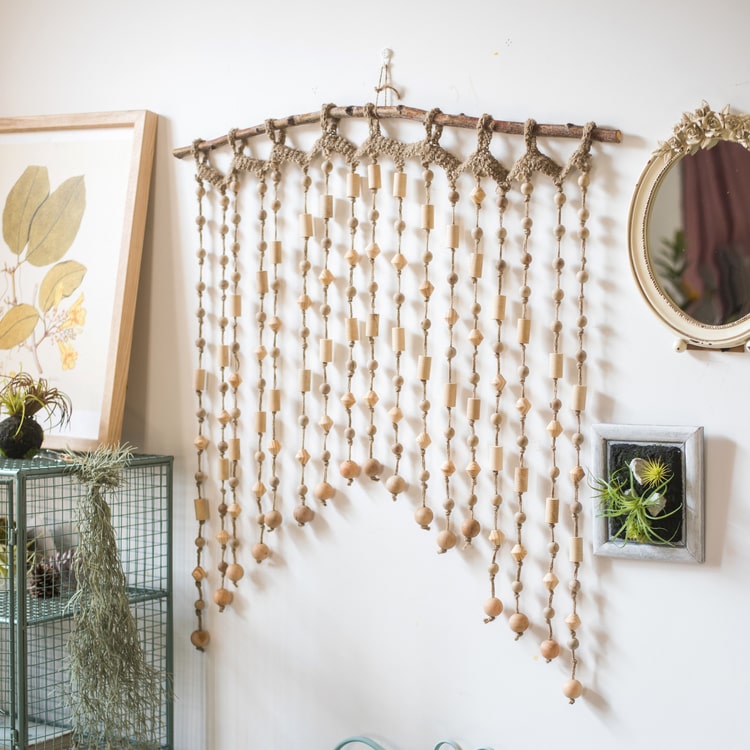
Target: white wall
357	627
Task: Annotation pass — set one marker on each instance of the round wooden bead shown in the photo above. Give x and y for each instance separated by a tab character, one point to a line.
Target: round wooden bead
446	540
396	484
303	514
572	689
423	516
349	469
235	572
518	622
470	528
272	519
550	649
223	597
260	552
372	468
493	607
200	639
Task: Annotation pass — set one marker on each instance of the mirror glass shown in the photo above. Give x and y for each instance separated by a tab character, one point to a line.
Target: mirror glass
689	230
698	233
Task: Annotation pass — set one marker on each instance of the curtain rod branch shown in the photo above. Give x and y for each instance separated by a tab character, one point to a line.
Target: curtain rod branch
605	135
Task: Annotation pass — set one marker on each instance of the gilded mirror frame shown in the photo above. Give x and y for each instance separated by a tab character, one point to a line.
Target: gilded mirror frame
697	130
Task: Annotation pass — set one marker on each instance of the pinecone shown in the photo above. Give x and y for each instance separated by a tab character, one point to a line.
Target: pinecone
44	581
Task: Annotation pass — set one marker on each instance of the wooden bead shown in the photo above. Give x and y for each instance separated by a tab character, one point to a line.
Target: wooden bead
349	469
396	484
223	597
523	405
372	468
518	623
554	428
518	553
324	491
234	305
423	516
233	451
348	400
424	365
470	528
260	552
274	447
374	181
493	607
496	458
261	282
260	422
576	549
550	581
446	540
453	235
552	510
395	414
496	537
201	508
200	639
224	355
276	251
473	408
524	330
326	206
303	514
372	325
475	337
521	478
305	380
450	393
572	689
273	519
399	184
235	572
473	469
352	329
550	649
578	402
476	265
556	365
353	185
423	440
498	308
306	225
399	261
326	350
428	216
398	339
259	489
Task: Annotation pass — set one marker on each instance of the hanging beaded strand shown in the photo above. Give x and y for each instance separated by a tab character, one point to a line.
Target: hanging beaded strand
470	527
235	571
200	636
573	688
550	648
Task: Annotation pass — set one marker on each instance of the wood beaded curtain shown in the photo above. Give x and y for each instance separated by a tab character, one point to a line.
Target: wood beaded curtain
372	307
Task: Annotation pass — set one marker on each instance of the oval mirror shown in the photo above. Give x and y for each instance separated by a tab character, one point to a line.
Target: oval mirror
689	230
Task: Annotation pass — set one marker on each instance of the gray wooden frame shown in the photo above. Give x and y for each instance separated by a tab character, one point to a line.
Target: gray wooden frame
690	442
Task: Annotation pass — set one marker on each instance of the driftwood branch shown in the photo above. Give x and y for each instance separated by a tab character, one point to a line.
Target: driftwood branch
605	135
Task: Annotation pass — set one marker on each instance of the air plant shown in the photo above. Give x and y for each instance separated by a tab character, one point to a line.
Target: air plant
22	398
634	496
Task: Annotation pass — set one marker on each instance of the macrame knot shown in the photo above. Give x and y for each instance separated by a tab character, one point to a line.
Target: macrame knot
371	112
433	130
277	135
328	123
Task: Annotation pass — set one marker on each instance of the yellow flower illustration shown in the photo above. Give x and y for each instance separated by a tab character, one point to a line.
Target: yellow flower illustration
68	355
76	315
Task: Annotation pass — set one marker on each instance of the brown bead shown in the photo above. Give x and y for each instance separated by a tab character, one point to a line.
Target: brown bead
200	639
260	552
324	491
493	607
572	689
223	597
372	468
519	623
423	516
395	484
550	649
303	514
349	469
446	540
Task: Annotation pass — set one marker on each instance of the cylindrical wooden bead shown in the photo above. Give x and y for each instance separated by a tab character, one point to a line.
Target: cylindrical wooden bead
453	235
326	206
224	355
352	329
451	390
224	472
424	364
373	177
326	350
399	184
201	509
473	408
498	309
305	380
372	325
261	282
352	185
276	252
398	339
555	365
552	513
274	399
576	549
496	458
200	379
477	261
306	225
234	305
233	451
260	421
428	216
522	479
579	397
524	330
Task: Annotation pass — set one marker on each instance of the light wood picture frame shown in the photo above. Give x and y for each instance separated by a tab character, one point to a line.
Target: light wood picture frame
74	195
681	447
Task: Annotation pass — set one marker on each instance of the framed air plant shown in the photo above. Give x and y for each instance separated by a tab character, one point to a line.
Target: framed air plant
647	492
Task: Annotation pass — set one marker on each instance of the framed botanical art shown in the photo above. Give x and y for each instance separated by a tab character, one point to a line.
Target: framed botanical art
74	193
648	492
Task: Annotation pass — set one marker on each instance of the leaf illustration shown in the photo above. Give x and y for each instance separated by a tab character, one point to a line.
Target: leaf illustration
56	223
24	198
60	281
17	325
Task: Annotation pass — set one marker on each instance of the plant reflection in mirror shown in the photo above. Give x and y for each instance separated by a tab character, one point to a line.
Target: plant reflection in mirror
635	497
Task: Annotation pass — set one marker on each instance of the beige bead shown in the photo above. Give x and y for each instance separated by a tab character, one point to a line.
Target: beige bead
199	574
399	184
493	607
453	235
274	447
550	581
234	379
399	261
261	282
326	277
374	180
201	442
478	195
552	510
326	206
224	470
448	468
423	440
234	510
276	251
428	216
260	422
550	649
496	458
224	355
306	225
372	325
371	399
260	552
303	514
353	185
235	572
398	339
473	469
426	288
200	505
305	380
576	549
273	519
395	414
200	639
348	400
233	451
572	689
352	329
521	478
450	394
200	380
234	305
372	468
518	623
577	473
304	302
476	265
326	350
423	516
451	317
324	491
473	408
518	553
498	308
470	528
573	621
303	456
523	405
349	469
395	484
554	428
496	537
325	423
259	489
424	365
578	401
446	540
524	330
475	337
555	365
223	597
352	257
